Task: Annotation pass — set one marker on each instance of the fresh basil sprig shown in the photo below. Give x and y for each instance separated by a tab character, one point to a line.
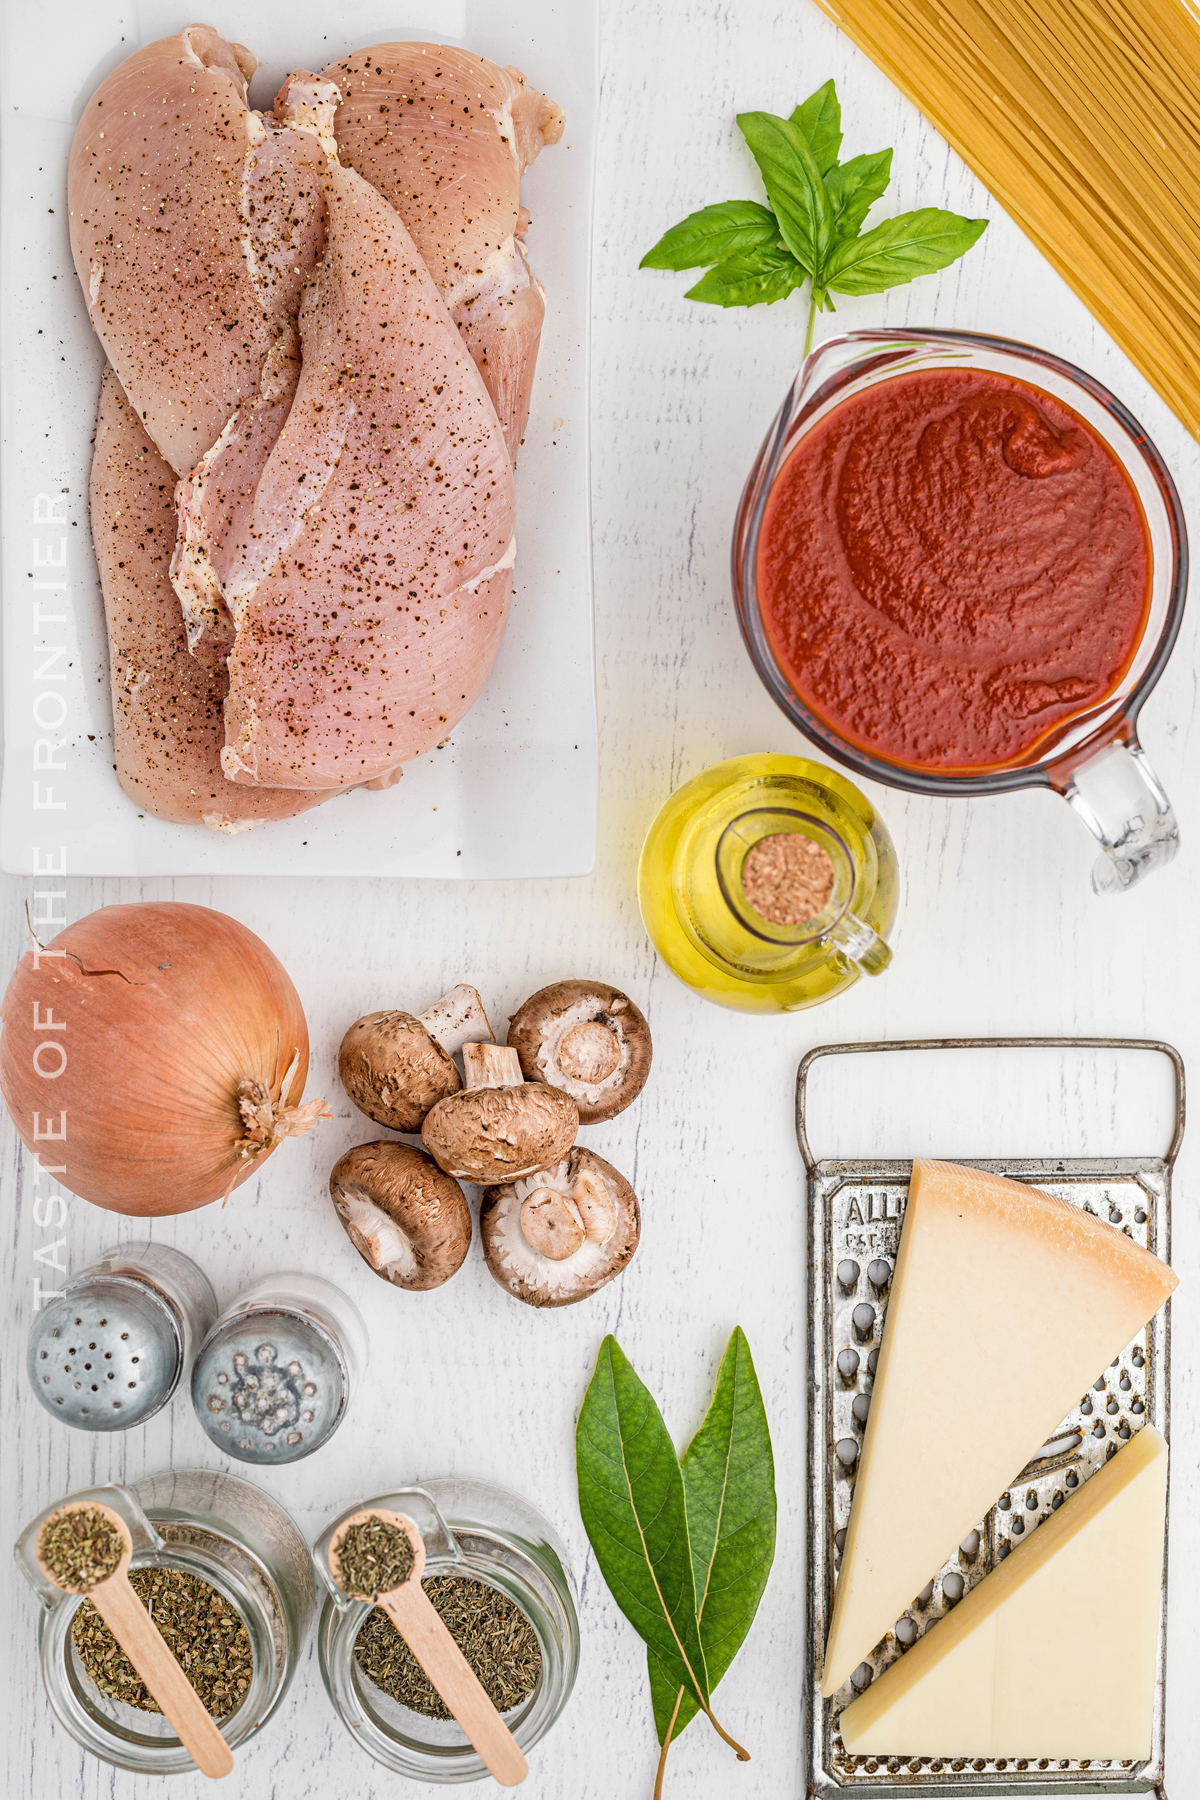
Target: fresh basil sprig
812	230
685	1548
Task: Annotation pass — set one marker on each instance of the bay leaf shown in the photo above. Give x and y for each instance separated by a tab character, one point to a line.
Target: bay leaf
729	1485
631	1499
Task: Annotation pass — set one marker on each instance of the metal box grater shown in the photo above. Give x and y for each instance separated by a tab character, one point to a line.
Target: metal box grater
855	1209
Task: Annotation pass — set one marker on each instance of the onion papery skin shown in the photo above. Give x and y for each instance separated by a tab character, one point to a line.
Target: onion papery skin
168	1009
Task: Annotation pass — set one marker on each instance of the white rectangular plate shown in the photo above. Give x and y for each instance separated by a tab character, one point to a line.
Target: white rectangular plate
513	792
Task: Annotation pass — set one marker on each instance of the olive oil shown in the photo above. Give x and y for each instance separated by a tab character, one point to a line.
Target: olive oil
696	908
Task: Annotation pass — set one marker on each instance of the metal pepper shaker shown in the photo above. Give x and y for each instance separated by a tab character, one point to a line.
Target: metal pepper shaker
276	1373
109	1351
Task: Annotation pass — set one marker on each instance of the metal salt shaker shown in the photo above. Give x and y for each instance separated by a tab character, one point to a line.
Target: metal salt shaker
109	1351
276	1373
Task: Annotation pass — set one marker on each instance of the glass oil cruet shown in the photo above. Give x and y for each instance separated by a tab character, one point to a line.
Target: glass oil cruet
707	918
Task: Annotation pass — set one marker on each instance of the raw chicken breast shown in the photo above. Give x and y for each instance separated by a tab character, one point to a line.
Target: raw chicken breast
194	224
445	136
168	717
364	555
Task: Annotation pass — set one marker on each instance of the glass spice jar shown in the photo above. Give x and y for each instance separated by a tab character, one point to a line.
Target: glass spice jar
230	1535
472	1529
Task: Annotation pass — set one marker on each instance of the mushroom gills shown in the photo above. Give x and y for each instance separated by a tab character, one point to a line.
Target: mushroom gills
377	1238
553	1238
406	1218
587	1039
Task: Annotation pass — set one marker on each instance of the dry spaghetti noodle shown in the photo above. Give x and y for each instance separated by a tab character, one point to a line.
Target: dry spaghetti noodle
1083	118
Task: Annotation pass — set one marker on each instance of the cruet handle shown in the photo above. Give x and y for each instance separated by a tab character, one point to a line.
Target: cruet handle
857	943
1124	805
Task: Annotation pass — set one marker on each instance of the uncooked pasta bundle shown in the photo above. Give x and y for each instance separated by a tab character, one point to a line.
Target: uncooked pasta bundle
1083	119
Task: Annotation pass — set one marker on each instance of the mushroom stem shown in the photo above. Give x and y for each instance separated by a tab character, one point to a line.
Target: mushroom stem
491	1065
551	1225
457	1018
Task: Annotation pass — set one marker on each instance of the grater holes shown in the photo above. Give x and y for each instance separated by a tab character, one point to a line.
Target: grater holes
847	1274
953	1585
846	1451
872	1362
847	1364
863	1676
863	1320
1072	1479
970	1546
860	1406
879	1273
906	1632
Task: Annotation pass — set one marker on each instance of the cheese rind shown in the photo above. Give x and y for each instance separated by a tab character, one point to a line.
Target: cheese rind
1006	1303
1055	1653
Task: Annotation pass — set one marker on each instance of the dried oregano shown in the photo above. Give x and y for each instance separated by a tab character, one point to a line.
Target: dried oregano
200	1628
80	1548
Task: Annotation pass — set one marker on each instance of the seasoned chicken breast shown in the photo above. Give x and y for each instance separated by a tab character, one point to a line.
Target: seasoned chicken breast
194	224
168	710
362	546
446	135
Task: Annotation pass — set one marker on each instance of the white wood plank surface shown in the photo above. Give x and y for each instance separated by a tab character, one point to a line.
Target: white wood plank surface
999	933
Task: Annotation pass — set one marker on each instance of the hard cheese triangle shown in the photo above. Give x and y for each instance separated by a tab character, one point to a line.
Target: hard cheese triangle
1005	1306
1055	1653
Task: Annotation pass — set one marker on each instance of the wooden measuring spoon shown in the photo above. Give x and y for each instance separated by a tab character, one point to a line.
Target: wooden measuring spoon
419	1624
118	1605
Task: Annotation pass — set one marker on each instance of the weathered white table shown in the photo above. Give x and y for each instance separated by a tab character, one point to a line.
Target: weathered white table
999	933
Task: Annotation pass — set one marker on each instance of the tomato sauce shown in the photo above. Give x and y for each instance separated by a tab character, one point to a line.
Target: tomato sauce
951	566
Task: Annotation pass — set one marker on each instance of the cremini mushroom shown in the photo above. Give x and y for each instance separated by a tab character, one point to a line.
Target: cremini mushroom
499	1127
396	1065
555	1237
404	1216
588	1039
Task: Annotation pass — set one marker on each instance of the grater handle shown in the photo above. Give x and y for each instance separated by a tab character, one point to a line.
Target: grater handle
991	1043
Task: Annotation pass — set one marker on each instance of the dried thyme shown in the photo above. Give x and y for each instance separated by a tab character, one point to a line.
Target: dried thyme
80	1548
373	1558
491	1631
200	1628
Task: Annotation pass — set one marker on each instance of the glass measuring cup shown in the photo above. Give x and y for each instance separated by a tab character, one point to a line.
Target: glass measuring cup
691	885
1094	759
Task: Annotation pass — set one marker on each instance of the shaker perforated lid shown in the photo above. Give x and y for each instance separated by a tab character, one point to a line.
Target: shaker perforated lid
270	1384
106	1354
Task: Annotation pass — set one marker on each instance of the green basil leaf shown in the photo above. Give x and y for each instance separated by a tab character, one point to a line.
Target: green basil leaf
631	1499
759	277
820	119
854	187
899	250
712	234
729	1481
794	186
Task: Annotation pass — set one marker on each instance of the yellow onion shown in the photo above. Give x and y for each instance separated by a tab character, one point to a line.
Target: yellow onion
153	1056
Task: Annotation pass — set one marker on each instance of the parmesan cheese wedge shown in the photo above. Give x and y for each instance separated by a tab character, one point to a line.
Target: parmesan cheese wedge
1006	1304
1054	1654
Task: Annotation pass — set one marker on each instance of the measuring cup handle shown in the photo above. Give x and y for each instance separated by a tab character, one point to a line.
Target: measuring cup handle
859	944
1124	805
